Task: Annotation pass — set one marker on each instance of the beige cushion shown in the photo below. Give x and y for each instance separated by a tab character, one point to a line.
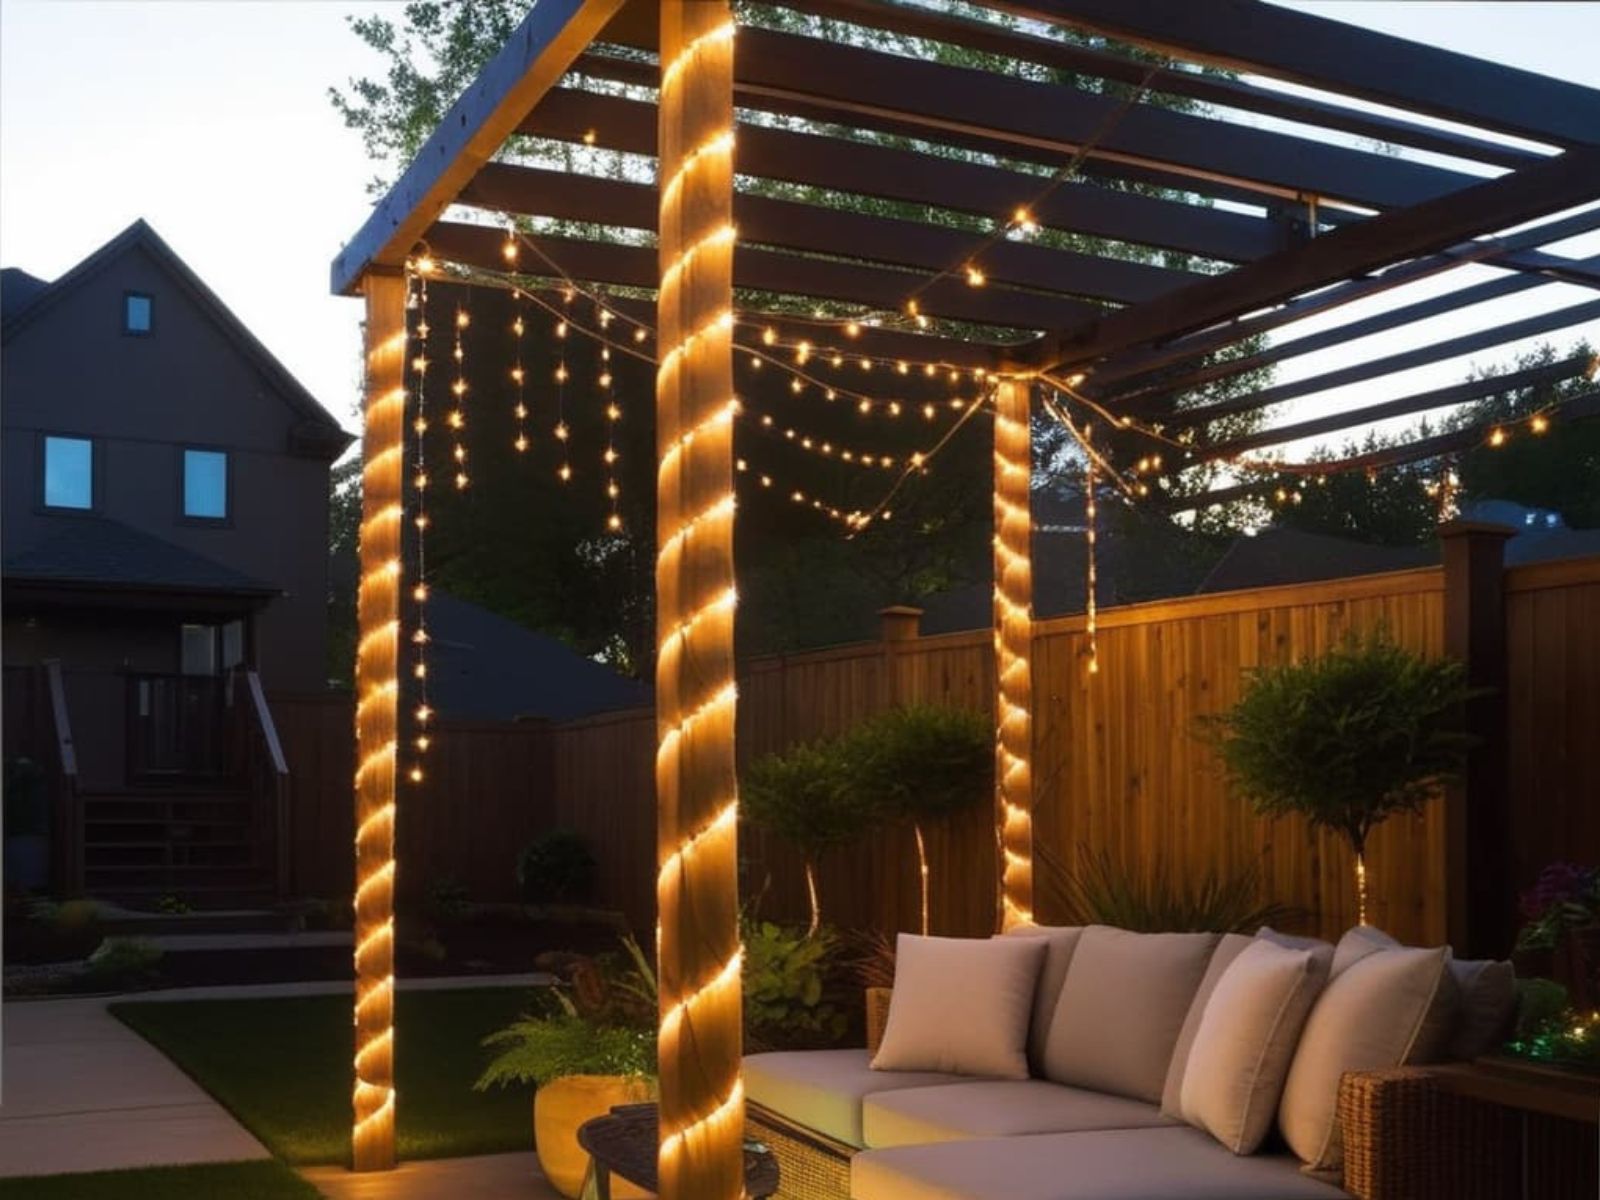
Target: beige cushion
1246	1039
1376	1014
1358	942
1122	1007
1171	1163
1228	949
961	1005
1488	997
1002	1108
1294	941
823	1089
1059	943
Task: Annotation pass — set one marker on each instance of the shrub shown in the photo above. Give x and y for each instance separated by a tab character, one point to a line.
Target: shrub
1346	740
120	959
786	1002
26	813
1101	892
556	869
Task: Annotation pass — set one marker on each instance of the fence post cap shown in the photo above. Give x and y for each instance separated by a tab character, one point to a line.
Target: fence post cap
1459	529
899	622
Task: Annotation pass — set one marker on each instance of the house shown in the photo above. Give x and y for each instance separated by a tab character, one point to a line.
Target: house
164	556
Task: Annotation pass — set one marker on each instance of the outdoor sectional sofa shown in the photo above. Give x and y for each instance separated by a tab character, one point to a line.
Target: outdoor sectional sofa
1128	1083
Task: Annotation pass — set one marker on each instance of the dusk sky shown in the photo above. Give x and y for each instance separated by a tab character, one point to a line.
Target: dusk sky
211	120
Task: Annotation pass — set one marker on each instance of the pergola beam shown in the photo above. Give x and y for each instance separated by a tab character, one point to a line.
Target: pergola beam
1264	39
1524	195
770	271
815	229
553	34
891	173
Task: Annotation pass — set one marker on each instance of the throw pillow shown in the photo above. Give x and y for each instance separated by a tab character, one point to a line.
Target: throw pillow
1122	1007
1228	949
1378	1013
1488	997
1059	943
1247	1036
961	1006
1358	942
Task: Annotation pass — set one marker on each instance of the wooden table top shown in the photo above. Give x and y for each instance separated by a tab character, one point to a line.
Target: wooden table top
1529	1086
624	1143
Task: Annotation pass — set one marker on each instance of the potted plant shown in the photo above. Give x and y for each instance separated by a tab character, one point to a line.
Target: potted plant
804	797
1562	911
27	826
1347	740
921	764
589	1045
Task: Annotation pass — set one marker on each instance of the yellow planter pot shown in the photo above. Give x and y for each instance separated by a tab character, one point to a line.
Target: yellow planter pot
560	1107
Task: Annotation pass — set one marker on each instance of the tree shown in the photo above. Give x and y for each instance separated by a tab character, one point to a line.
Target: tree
1347	740
803	796
921	764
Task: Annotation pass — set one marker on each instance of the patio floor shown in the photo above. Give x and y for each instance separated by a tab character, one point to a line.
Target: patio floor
488	1177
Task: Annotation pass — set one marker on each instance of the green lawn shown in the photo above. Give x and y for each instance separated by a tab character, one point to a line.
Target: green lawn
267	1180
283	1067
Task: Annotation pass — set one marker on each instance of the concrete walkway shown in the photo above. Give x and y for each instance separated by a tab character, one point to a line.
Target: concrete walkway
80	1091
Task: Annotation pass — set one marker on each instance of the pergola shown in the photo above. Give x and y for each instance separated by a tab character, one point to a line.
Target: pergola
1277	197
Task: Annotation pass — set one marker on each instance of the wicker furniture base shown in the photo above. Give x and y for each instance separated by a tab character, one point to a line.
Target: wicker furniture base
811	1166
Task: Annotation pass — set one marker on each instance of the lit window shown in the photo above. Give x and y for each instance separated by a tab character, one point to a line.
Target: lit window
205	484
68	473
138	310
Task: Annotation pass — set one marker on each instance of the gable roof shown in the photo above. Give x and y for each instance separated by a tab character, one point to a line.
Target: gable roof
18	290
483	667
99	552
318	429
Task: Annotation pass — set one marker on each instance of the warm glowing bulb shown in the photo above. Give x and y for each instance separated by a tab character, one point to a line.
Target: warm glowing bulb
521	443
425	264
613	412
561	373
462	319
517	374
561	329
1497	438
589	136
975	277
853	329
1540	423
769	336
605	379
509	250
837	360
638	335
564	473
561	431
614	522
1024	221
796	386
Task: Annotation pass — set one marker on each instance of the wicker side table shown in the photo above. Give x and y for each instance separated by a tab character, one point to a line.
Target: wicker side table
623	1143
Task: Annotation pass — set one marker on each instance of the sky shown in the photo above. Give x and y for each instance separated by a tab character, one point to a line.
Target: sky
210	119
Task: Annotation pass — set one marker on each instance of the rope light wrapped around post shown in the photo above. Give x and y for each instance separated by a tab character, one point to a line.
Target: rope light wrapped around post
701	1095
1013	649
377	732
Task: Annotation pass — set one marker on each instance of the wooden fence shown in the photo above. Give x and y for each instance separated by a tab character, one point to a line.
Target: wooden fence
1117	765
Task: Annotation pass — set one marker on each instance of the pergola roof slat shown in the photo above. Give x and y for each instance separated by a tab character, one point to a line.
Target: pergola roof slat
1264	39
764	270
814	229
1435	398
1549	186
891	173
935	25
1374	368
857	83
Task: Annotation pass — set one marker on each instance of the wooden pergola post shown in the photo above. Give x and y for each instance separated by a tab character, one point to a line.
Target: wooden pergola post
377	695
699	958
1013	650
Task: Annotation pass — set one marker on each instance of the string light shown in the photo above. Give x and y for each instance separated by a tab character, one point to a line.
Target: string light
519	374
613	415
699	957
1013	646
561	431
1090	536
458	389
377	694
419	519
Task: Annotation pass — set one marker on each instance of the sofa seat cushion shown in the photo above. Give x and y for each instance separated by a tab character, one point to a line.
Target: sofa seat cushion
1172	1163
823	1089
996	1108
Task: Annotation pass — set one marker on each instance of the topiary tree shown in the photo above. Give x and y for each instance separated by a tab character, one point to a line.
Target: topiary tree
921	764
1346	740
801	796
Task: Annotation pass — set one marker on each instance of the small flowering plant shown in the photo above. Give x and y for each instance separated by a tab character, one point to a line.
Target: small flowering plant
1563	903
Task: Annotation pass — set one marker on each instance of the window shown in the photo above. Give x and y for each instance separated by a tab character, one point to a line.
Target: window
138	312
69	473
197	649
205	484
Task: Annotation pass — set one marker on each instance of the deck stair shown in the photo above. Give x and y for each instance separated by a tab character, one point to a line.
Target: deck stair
200	844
